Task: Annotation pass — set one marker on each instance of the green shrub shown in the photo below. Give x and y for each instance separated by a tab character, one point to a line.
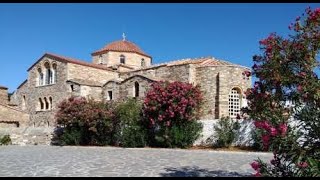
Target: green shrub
226	131
130	131
179	136
71	136
5	140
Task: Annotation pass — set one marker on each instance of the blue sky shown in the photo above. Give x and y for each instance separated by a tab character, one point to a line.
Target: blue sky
164	31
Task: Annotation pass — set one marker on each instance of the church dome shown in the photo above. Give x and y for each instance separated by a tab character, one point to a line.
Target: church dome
121	46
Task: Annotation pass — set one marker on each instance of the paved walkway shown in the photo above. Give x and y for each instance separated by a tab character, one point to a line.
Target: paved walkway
111	161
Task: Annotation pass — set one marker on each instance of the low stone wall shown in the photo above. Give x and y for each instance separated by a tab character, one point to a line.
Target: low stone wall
9	114
207	135
24	135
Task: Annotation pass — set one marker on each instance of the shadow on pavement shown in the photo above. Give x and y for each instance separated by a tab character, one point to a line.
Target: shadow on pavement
198	172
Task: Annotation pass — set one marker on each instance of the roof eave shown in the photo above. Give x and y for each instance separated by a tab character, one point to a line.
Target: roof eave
57	58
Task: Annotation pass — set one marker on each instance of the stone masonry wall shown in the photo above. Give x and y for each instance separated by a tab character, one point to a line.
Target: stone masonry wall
76	71
216	82
32	92
112	58
8	113
127	87
17	97
229	78
208	79
4	99
151	73
91	92
173	73
114	87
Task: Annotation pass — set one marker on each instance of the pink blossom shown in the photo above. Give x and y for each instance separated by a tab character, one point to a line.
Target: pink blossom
265	125
283	129
273	131
302	164
256	85
258	174
302	74
265	141
255	165
257	124
152	121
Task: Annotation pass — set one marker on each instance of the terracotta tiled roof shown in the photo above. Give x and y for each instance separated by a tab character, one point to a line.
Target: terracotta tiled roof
188	61
201	62
142	76
71	60
2	87
120	80
121	46
85	82
218	62
215	62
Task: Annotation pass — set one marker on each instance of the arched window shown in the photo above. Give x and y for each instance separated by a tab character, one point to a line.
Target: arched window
143	63
122	59
41	105
50	102
136	89
23	102
234	102
54	73
47	103
40	77
48	75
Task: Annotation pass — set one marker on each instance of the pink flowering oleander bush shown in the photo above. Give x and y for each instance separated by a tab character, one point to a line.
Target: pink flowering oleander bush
85	122
170	111
285	100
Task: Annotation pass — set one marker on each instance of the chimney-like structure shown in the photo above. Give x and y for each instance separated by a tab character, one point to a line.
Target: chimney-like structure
4	97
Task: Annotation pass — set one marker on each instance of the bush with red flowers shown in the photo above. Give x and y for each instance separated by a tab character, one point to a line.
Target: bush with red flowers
85	122
285	101
171	111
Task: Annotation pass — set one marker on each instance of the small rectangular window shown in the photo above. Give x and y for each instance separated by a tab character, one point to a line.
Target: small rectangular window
109	95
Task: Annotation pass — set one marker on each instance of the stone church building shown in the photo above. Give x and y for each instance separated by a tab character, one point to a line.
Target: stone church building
119	70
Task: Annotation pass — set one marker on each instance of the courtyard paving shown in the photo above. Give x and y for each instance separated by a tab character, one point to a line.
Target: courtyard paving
74	161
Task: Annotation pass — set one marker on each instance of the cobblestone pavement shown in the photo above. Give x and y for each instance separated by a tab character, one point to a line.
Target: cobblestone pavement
125	162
